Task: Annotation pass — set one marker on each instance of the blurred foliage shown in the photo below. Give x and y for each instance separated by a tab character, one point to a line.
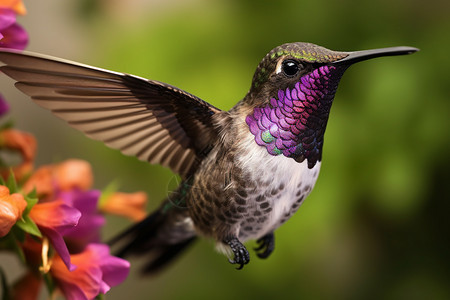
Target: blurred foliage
375	225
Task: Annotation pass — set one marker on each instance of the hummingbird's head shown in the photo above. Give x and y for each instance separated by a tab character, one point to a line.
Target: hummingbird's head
288	64
284	66
291	96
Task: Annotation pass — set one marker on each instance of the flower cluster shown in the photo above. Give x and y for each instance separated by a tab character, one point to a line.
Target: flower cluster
51	217
53	220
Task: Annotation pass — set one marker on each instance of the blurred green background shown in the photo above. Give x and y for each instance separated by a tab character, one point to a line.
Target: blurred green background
376	225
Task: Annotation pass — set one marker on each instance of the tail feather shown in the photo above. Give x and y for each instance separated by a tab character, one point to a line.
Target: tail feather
162	236
136	235
166	255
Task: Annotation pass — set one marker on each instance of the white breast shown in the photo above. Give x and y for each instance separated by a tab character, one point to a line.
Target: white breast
296	179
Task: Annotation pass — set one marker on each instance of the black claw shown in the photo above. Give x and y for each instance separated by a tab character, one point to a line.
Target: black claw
261	246
241	255
266	245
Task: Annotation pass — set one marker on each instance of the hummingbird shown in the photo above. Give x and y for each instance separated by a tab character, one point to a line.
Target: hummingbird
244	171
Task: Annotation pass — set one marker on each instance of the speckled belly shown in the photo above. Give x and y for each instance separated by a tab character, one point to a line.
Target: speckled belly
286	184
246	192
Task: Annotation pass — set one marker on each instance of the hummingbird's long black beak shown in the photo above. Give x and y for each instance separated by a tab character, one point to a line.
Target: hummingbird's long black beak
358	56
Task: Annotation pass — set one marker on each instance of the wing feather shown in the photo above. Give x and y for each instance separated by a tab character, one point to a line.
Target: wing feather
148	119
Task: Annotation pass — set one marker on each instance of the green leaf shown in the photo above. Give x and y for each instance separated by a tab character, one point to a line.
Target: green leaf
11	182
108	191
32	194
27	225
7	125
99	297
30	203
4	285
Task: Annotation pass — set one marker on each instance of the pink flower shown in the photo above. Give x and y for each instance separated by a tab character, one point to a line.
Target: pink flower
12	35
54	219
97	271
67	184
88	229
7	18
4	106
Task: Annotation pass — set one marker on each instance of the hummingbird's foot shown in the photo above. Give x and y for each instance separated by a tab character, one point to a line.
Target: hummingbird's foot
241	256
266	245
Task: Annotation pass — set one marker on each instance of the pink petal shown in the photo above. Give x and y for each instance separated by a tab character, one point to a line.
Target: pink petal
7	18
114	270
97	271
4	105
56	215
88	229
80	285
54	219
14	37
72	291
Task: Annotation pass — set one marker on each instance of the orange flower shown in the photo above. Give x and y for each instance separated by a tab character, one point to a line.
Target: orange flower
128	205
23	142
11	209
73	174
42	180
15	5
68	175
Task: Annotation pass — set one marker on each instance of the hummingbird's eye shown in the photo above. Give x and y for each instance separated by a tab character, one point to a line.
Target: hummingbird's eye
290	67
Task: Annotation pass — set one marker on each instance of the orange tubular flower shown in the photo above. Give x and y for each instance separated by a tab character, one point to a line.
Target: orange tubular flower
73	174
68	175
42	181
23	142
131	206
11	209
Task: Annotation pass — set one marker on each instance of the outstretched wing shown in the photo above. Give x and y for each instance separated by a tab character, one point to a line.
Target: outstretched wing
148	119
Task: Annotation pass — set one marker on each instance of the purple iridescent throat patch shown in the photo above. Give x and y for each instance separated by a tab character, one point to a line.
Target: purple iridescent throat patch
293	124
